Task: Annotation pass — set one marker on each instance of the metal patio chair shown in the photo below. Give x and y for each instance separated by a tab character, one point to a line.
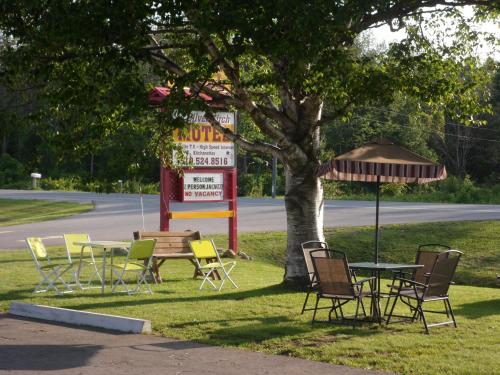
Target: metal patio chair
307	247
138	262
426	256
435	288
50	271
82	257
205	249
336	283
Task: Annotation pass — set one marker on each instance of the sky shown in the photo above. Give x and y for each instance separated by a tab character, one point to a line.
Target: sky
384	35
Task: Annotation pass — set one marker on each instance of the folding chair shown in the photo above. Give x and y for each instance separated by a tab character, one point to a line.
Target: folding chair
138	261
426	256
50	272
337	283
307	247
78	253
435	288
205	249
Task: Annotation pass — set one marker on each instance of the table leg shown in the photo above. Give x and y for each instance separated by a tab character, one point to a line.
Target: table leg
103	282
379	317
79	269
111	268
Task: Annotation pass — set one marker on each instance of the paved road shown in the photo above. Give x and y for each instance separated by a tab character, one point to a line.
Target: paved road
117	215
34	347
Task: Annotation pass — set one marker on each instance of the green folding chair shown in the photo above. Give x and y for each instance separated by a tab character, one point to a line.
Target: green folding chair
205	249
138	261
50	272
84	257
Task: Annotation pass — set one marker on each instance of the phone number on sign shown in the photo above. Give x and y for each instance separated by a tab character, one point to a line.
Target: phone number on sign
212	161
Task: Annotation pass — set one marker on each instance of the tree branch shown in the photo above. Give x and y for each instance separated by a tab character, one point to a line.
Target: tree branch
255	146
407	8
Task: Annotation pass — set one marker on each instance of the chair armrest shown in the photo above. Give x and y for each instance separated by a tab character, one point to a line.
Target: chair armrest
362	281
410	282
400	272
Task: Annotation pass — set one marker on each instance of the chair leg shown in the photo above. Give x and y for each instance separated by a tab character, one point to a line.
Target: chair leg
421	312
119	281
315	309
305	302
206	278
392	310
226	276
354	321
451	312
142	280
446	309
335	301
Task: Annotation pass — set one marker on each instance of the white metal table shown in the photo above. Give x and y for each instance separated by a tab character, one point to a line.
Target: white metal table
105	246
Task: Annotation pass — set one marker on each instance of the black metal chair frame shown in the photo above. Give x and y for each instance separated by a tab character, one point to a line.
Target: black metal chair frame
339	300
307	248
421	293
401	274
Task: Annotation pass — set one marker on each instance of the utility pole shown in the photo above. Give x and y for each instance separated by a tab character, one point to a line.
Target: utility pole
274	173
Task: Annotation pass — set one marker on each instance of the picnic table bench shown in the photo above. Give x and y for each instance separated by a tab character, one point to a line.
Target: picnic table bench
170	245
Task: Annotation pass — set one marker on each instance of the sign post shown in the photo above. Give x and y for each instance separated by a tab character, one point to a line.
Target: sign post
210	176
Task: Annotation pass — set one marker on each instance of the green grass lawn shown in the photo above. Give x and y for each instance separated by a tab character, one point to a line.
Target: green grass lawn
14	212
263	315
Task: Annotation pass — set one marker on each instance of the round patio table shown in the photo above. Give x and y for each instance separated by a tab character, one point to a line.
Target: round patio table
376	269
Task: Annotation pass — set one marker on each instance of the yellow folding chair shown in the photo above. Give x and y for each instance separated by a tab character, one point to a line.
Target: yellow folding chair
138	261
85	256
205	249
50	272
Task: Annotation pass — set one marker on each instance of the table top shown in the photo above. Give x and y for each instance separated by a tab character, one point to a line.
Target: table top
383	266
105	244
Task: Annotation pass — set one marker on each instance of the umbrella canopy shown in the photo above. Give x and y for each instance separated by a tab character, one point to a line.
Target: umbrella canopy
381	161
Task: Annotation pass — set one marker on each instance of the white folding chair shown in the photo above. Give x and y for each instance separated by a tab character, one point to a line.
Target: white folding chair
85	256
138	261
205	249
49	271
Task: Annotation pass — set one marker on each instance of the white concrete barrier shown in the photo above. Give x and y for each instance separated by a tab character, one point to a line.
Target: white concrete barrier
81	318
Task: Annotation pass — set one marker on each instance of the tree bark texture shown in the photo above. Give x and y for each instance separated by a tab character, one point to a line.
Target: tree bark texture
304	208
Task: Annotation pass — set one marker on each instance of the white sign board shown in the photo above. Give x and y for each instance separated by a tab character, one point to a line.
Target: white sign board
203	187
205	146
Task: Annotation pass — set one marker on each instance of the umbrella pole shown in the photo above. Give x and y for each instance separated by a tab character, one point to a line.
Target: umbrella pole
376	219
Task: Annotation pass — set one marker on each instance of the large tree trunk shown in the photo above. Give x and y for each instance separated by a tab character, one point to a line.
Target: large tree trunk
304	210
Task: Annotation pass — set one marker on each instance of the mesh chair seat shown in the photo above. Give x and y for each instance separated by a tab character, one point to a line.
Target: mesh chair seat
130	266
356	295
217	265
52	266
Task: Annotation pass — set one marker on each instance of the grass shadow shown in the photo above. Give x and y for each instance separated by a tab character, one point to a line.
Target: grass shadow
233	296
479	309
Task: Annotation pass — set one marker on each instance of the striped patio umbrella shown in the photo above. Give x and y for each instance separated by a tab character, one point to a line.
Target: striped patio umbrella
381	161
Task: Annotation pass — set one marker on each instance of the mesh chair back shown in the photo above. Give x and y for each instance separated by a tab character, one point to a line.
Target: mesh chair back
309	246
427	259
203	249
37	248
142	249
332	272
442	274
71	238
71	248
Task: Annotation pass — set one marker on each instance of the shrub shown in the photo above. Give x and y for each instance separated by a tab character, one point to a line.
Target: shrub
12	172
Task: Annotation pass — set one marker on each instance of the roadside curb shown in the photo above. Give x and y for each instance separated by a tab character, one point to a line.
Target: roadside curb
80	318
